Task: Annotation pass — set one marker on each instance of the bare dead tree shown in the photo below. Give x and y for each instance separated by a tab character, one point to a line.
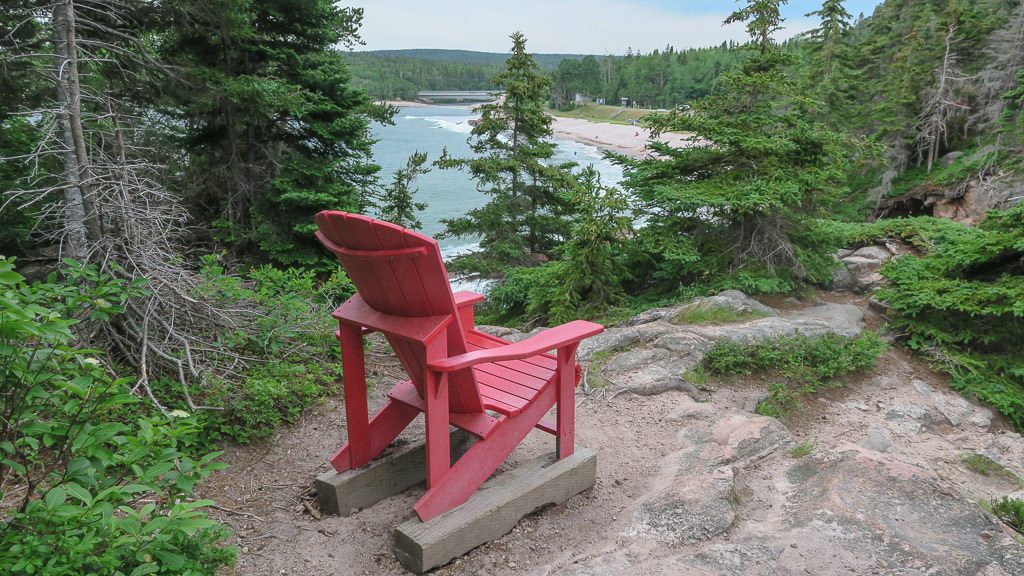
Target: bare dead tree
112	210
897	157
941	104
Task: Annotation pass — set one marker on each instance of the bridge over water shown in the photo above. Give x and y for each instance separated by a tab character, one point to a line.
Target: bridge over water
457	95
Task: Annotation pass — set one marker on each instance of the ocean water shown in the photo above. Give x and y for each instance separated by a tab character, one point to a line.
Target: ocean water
451	193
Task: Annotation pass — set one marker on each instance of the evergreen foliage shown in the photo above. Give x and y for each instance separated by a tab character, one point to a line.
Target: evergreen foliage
963	304
275	130
757	168
397	203
588	277
525	213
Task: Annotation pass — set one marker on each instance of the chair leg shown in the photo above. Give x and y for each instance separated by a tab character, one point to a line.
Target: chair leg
565	441
383	428
356	409
437	418
482	459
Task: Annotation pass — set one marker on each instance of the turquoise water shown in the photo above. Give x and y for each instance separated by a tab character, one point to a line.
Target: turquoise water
450	193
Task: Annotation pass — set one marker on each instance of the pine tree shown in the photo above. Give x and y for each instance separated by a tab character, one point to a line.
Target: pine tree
275	129
525	213
398	202
828	36
738	200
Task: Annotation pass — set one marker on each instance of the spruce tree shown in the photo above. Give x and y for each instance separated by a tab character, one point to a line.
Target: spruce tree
829	35
274	128
398	201
525	214
737	202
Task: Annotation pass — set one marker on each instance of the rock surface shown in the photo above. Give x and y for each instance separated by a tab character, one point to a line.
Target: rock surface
690	482
651	353
858	270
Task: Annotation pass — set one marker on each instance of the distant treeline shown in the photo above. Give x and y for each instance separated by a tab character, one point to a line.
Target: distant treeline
401	78
661	79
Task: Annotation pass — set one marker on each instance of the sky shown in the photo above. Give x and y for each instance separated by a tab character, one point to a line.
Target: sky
565	26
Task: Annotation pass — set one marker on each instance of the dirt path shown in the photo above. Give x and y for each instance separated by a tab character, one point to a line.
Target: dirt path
593	533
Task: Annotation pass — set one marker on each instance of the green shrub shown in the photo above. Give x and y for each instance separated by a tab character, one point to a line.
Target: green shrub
1010	511
267	396
91	480
962	303
289	349
804	364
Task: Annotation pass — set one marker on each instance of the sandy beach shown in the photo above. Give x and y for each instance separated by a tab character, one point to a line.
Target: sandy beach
624	139
628	140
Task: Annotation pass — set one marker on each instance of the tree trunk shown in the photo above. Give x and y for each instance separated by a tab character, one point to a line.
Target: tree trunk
69	113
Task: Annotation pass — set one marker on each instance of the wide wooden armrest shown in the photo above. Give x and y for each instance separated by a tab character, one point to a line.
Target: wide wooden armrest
357	311
557	337
467	298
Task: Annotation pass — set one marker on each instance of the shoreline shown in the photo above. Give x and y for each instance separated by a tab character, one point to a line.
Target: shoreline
623	139
619	138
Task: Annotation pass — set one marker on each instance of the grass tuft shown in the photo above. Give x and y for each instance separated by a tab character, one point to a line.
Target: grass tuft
1010	511
802	449
799	365
981	464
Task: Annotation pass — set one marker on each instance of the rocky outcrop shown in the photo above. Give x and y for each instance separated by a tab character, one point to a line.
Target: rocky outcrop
651	353
967	201
733	501
858	269
884	491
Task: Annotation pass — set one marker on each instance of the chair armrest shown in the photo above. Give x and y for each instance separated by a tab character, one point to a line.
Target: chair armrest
467	298
557	337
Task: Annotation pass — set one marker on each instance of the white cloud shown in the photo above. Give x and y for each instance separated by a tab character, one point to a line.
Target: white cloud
566	26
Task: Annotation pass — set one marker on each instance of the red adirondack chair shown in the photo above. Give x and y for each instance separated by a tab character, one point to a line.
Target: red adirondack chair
496	390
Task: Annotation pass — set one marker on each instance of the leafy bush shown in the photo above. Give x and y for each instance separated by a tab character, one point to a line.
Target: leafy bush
962	303
267	396
91	481
289	348
804	364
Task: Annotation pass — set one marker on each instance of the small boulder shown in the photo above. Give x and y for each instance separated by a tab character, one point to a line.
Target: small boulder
729	303
879	439
689	512
908	418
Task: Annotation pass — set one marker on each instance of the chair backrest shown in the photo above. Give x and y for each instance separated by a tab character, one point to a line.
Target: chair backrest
400	272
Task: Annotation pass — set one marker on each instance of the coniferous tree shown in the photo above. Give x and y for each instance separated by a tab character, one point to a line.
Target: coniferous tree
274	127
525	213
739	198
829	35
398	202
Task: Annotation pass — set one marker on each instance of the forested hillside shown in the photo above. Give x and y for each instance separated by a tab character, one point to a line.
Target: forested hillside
915	111
399	77
925	79
661	79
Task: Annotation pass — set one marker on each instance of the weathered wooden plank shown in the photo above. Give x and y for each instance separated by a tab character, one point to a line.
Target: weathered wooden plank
346	492
493	510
